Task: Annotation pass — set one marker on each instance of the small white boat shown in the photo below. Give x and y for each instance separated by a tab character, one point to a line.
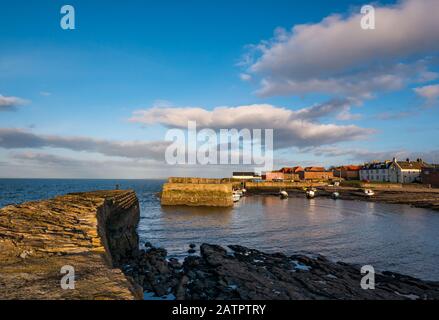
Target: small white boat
283	194
368	193
335	195
236	197
310	194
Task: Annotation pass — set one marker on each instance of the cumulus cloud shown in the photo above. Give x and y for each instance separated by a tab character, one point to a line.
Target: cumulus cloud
429	93
10	103
337	56
19	139
291	128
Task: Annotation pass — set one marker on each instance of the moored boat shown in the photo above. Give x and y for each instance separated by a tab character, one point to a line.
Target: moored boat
283	194
236	197
311	193
368	193
335	195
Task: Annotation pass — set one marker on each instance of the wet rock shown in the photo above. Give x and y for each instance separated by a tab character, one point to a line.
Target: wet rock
154	272
254	275
174	263
147	245
251	274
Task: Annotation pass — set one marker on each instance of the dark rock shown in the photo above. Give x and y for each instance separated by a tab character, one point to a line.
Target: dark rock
191	251
249	274
192	246
174	263
148	245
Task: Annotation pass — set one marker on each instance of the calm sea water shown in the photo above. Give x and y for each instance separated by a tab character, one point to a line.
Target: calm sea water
390	237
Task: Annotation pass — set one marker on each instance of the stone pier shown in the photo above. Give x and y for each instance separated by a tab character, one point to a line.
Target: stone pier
197	192
92	232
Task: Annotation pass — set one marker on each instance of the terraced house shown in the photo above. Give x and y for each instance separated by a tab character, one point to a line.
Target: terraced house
349	172
316	173
393	171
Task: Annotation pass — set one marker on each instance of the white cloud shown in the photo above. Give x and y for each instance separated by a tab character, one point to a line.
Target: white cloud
10	103
337	56
291	128
429	93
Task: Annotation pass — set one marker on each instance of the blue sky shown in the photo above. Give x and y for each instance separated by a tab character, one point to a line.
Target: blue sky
168	56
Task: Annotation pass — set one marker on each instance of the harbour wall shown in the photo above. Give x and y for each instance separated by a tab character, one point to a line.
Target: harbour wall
197	194
89	233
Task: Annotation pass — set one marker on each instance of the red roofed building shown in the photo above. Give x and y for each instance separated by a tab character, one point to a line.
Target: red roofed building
350	172
316	173
290	170
315	169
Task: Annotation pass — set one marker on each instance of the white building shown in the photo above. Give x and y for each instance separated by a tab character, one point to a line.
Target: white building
377	171
409	171
393	171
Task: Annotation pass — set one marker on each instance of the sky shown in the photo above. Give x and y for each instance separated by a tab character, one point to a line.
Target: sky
97	101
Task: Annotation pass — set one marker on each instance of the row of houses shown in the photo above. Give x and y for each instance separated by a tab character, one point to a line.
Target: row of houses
392	171
299	173
288	174
406	171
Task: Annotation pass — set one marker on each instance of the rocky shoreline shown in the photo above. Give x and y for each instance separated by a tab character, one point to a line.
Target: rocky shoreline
239	273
